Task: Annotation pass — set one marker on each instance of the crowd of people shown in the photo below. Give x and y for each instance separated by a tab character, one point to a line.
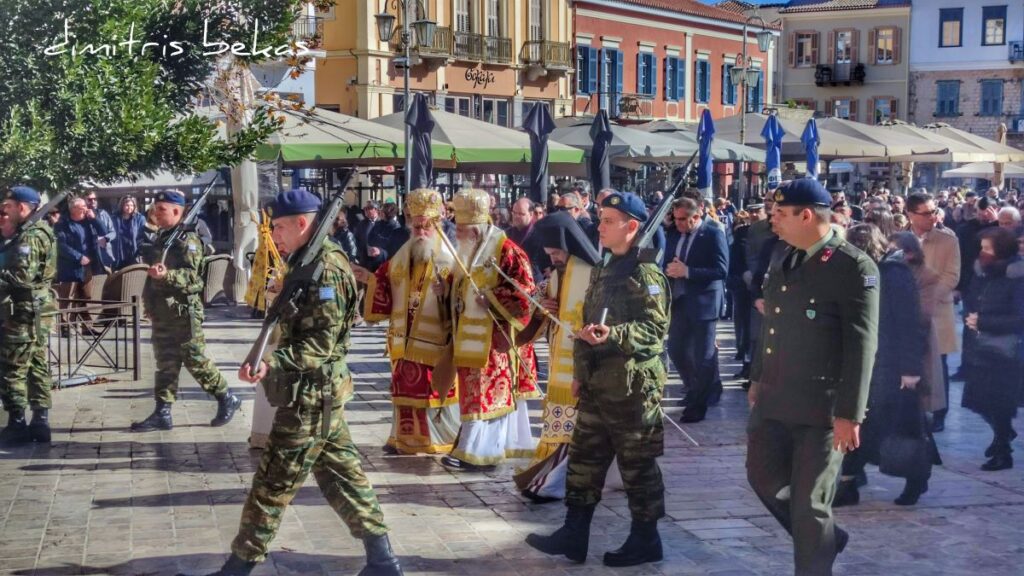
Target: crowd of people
845	313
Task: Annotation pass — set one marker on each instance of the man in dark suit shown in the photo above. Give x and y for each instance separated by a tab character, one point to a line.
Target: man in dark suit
697	262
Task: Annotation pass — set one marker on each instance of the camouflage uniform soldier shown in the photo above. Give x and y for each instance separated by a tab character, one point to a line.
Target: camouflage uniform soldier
308	380
26	313
172	301
619	377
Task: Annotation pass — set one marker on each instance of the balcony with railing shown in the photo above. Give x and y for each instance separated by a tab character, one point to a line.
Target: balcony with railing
480	48
441	48
844	75
550	55
308	29
1016	50
634	107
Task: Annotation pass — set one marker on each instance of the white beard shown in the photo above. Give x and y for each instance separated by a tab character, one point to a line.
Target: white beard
422	249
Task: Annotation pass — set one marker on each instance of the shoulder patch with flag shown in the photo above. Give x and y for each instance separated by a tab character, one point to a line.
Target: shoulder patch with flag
327	293
24	249
653	289
870	281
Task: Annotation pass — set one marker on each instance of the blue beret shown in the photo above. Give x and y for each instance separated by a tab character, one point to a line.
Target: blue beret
171	197
24	194
803	192
628	203
295	201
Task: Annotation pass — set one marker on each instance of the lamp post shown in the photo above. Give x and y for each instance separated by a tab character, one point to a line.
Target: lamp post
745	74
425	30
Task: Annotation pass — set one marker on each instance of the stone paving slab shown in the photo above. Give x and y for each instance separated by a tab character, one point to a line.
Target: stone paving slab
101	500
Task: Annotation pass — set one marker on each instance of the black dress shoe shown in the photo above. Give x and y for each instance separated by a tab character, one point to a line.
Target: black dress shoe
847	494
691	417
842	539
389	450
453	463
998	462
939	425
912	492
992	448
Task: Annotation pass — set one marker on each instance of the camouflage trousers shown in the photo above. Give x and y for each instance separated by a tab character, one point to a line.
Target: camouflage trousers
619	417
25	378
297	447
179	340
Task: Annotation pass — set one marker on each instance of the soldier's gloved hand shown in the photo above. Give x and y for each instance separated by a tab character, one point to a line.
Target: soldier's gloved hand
245	373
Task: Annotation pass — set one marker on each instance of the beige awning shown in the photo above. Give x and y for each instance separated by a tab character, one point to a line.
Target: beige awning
844	143
984	170
1002	152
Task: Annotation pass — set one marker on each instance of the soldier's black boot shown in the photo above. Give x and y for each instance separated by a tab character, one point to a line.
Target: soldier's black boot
227	405
160	419
16	431
39	429
572	540
380	558
642	545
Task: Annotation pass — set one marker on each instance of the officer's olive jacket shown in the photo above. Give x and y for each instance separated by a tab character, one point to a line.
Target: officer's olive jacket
819	336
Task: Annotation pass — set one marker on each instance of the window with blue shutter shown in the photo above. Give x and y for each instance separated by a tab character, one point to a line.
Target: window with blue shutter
582	70
646	74
947	98
592	74
728	90
670	75
680	79
702	82
991	97
755	98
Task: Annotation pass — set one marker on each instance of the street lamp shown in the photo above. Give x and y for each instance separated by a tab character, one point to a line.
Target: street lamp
745	73
425	30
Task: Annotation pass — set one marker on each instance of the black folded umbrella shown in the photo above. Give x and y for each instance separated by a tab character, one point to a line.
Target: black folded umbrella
421	124
538	124
600	169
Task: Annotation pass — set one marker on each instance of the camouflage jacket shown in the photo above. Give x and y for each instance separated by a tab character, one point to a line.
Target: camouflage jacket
637	298
29	267
315	337
184	281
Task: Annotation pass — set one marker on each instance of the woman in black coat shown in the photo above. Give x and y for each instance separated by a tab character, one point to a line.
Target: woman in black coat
994	310
344	237
898	363
739	292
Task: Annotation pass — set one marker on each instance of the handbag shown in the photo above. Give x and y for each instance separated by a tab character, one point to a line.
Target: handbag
906	453
996	346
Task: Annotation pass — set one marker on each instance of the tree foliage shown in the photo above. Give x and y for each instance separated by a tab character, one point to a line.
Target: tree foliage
101	107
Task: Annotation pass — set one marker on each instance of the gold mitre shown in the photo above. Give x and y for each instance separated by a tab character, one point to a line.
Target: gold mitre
424	202
472	206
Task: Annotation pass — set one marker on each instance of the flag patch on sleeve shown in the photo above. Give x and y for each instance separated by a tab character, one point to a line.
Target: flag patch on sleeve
870	281
327	293
653	289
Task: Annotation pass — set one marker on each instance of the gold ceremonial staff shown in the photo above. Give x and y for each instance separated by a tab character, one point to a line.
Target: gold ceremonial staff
492	263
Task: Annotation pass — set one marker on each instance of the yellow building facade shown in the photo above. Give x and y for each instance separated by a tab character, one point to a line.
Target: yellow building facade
489	59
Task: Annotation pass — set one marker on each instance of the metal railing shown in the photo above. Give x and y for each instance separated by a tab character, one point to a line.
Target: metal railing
308	28
1016	50
440	48
825	74
107	343
480	48
550	55
635	107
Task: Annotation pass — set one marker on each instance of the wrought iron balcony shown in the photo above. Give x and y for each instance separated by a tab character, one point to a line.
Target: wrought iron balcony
1016	48
550	55
480	48
826	75
441	47
634	107
308	29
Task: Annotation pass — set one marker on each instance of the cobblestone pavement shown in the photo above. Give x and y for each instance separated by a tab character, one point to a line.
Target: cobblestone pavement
100	500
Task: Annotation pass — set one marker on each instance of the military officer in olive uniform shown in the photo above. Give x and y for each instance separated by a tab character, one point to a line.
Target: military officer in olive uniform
172	301
619	380
812	372
26	316
308	381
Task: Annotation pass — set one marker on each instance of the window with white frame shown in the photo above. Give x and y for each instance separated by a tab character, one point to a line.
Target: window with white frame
463	16
536	29
993	25
806	49
494	27
884	45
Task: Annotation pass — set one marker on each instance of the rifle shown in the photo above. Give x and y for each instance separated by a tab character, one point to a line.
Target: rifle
303	271
43	210
187	223
644	241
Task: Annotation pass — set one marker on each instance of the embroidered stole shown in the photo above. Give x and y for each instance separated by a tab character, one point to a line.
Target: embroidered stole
474	327
429	334
570	290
